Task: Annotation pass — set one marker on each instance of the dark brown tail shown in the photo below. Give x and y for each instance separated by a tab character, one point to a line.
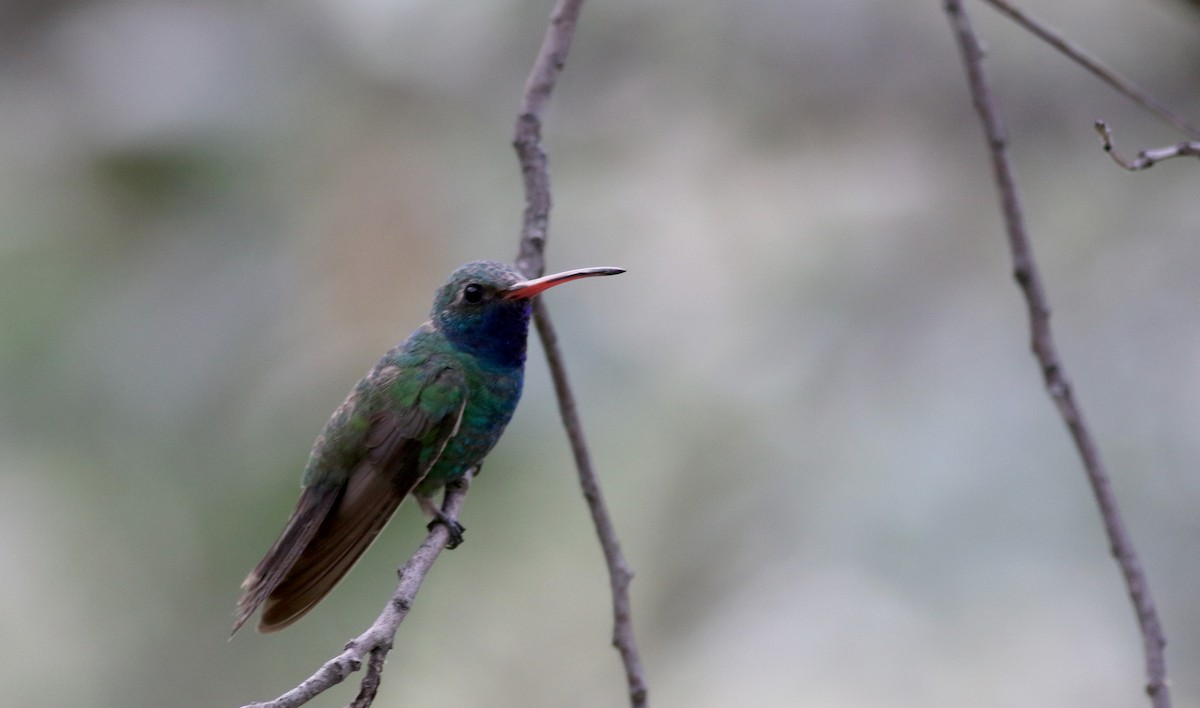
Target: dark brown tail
308	517
326	534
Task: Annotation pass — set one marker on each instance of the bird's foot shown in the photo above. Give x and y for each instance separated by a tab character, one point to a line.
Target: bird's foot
456	529
440	517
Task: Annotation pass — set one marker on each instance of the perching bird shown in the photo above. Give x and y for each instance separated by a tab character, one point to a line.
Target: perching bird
430	410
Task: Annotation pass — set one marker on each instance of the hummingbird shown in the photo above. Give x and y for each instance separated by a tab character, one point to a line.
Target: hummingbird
428	412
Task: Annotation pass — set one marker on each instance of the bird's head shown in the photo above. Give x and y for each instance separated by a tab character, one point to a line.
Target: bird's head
484	307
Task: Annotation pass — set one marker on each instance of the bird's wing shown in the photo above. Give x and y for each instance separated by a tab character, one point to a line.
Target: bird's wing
405	437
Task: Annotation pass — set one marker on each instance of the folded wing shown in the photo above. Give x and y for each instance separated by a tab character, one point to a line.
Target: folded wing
333	524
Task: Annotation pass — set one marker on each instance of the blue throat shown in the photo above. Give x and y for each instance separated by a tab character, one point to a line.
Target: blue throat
495	334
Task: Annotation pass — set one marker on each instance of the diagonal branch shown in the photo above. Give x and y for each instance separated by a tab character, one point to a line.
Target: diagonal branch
619	572
377	640
531	154
1026	273
1082	57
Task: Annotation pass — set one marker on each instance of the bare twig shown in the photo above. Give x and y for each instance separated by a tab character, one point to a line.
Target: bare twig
1082	57
1145	158
1026	273
369	686
531	153
377	640
527	138
619	572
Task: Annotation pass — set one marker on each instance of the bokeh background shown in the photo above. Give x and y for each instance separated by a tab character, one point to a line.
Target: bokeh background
810	399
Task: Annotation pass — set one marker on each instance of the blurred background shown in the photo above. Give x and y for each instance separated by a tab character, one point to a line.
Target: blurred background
811	399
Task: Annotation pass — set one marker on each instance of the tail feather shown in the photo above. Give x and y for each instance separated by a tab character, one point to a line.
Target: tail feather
362	512
309	516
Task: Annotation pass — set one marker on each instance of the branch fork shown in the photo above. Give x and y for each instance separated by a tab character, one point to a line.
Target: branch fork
375	643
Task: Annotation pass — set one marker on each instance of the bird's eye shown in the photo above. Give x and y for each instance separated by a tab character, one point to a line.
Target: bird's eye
473	293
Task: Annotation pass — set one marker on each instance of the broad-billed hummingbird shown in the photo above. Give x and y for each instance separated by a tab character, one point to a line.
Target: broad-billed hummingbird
430	410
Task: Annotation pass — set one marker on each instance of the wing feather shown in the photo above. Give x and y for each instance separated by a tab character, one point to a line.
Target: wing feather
401	445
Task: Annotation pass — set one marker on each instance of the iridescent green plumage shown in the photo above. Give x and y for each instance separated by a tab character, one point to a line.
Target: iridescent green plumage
430	410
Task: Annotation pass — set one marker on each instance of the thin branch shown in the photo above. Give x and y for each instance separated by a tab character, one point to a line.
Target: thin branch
527	137
531	154
369	688
377	640
1082	57
619	572
1026	273
1145	158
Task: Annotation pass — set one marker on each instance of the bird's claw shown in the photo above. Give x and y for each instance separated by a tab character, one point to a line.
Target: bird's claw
456	529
